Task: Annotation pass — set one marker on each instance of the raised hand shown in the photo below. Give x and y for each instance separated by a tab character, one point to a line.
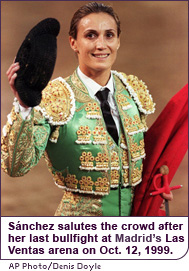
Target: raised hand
12	74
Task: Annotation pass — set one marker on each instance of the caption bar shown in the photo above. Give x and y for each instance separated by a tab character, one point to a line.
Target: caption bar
94	237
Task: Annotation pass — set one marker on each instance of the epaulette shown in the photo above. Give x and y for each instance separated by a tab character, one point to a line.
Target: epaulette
58	103
139	92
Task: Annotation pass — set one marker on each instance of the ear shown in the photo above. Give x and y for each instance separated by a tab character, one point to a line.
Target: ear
73	44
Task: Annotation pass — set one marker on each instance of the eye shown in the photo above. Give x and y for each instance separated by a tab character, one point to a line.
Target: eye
90	35
110	34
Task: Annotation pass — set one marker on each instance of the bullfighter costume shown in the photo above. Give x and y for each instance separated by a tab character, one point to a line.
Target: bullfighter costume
97	175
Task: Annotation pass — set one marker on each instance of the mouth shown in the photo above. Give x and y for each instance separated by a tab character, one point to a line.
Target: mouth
100	55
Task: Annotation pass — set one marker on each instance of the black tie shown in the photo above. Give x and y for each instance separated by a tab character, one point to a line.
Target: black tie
102	95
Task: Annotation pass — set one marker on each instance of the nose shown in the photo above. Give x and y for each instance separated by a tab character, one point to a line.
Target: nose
100	43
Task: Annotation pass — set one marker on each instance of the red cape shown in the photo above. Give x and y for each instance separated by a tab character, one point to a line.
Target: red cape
166	143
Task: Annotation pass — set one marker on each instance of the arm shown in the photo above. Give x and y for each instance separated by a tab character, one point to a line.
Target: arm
23	141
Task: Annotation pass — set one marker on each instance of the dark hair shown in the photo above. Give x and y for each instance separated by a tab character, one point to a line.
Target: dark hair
92	7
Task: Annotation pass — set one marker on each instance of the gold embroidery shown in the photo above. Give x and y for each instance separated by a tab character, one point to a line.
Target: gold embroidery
122	100
80	91
125	161
75	204
114	178
86	159
102	185
58	104
101	162
55	134
138	122
83	135
136	174
137	151
114	160
133	126
77	82
119	85
143	120
71	181
123	143
86	184
125	177
59	179
11	118
93	111
23	144
142	93
3	146
99	135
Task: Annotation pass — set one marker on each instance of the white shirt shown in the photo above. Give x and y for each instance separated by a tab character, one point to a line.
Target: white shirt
24	111
94	87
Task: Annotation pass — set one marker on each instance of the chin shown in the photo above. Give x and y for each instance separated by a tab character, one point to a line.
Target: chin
102	67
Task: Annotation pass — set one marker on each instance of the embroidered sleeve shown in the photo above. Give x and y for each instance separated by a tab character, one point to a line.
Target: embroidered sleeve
23	142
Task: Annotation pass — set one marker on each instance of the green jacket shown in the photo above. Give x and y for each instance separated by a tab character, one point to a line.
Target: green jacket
68	129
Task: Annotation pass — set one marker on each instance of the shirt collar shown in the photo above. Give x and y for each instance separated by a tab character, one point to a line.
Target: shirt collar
92	86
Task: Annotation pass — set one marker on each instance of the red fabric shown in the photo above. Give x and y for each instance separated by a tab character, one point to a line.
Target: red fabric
166	143
161	213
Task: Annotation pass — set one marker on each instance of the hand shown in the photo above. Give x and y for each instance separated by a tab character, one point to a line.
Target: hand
11	74
168	197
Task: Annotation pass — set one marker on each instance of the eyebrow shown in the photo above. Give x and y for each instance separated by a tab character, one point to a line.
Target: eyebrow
93	30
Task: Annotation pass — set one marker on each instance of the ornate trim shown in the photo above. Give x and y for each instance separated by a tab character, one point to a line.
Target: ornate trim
133	184
135	95
138	158
123	146
136	132
16	105
11	117
64	102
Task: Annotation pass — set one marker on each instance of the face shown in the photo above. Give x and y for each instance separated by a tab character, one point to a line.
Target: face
97	43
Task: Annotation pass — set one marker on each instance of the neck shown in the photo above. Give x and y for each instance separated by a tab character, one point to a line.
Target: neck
100	77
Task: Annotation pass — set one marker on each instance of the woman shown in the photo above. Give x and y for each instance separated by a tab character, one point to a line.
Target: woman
89	126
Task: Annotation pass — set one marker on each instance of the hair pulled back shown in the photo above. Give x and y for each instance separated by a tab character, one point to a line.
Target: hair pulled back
92	7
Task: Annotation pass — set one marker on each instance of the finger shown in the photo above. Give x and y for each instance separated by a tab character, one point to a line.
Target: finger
12	71
168	196
12	79
12	66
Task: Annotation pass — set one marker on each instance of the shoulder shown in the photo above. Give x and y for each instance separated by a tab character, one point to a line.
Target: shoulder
58	103
139	92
